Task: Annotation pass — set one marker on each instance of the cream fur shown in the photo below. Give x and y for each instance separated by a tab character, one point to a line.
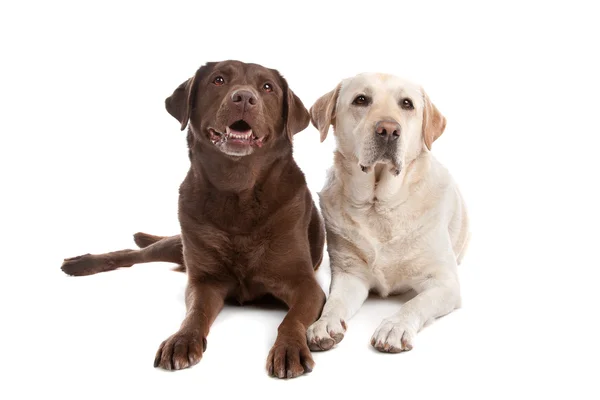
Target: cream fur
385	233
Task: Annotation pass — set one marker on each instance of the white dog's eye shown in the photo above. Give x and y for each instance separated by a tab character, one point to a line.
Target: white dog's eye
361	100
406	104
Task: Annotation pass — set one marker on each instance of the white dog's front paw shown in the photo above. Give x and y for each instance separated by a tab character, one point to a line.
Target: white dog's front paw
393	337
325	333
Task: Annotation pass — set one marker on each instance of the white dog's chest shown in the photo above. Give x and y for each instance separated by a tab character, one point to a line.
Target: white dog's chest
384	239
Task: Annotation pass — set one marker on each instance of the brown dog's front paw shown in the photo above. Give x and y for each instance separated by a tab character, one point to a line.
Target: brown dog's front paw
289	358
182	350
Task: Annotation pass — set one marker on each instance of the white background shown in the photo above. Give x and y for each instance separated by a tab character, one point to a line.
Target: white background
88	156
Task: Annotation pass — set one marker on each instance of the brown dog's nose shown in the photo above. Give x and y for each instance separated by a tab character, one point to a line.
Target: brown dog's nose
388	129
244	98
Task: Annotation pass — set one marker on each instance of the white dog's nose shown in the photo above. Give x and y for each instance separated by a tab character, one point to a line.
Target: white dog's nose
389	129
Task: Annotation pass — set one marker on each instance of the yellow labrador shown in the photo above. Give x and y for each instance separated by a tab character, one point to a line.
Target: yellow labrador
394	216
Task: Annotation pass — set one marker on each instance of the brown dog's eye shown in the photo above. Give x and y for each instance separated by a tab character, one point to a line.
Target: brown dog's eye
407	104
219	81
361	100
267	87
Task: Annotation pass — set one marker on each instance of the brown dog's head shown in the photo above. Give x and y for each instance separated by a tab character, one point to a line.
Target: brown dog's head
238	108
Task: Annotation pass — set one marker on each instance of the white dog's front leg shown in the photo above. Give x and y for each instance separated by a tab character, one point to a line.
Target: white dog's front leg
436	297
348	293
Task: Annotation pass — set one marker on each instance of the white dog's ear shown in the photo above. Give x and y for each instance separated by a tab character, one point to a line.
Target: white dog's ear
434	122
322	113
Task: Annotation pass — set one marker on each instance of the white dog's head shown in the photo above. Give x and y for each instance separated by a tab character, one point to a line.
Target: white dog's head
379	118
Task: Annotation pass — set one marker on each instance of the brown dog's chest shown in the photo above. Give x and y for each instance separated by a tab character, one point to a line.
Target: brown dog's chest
245	237
245	266
241	259
234	237
235	214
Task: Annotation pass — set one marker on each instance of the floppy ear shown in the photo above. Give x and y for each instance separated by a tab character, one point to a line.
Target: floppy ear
322	113
181	102
434	122
297	118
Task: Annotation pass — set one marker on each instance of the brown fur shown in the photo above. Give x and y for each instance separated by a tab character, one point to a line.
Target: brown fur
249	227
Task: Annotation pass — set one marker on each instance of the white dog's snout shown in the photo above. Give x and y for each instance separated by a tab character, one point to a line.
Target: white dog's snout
388	129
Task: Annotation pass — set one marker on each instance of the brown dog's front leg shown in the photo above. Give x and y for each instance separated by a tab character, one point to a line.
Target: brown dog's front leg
290	356
185	348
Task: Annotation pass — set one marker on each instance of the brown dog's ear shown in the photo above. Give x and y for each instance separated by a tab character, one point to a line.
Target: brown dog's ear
434	122
322	113
297	117
181	102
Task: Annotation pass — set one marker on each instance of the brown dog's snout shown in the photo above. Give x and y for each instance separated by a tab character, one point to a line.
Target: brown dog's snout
388	129
243	98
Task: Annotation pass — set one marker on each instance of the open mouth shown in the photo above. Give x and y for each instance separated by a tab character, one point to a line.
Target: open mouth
239	133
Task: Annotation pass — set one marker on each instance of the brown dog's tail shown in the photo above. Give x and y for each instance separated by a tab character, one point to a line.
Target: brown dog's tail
152	248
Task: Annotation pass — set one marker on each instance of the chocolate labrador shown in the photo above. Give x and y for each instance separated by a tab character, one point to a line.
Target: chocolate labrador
249	227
